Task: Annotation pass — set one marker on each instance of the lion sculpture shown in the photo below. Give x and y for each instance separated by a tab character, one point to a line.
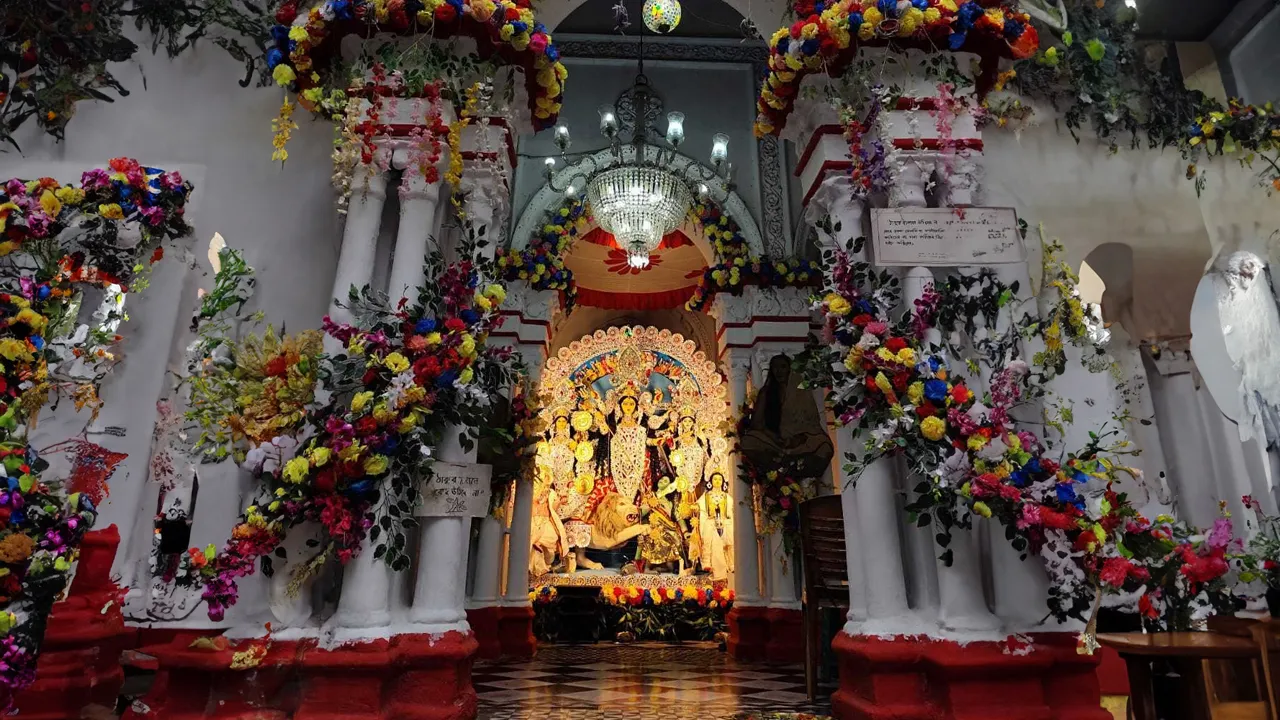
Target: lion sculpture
613	522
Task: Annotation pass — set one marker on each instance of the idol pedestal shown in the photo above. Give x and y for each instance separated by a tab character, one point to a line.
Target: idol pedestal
404	677
918	678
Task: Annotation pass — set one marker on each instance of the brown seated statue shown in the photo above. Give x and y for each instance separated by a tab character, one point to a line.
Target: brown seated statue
785	426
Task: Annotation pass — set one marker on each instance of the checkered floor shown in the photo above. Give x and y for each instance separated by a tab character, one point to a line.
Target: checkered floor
646	681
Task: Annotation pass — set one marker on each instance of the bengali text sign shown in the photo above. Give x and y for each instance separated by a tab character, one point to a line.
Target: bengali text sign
456	491
946	236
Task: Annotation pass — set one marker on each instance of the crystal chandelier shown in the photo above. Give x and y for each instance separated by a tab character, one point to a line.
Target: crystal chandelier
641	189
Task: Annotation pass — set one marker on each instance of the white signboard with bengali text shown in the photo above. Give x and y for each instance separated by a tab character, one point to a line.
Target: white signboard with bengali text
946	236
456	491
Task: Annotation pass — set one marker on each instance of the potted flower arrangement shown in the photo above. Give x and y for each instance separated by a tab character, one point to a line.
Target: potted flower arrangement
1262	561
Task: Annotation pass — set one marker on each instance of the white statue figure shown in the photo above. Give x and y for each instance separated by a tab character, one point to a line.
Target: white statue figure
1250	329
715	526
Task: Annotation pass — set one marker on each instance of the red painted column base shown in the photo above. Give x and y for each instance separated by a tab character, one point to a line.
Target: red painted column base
912	678
406	677
79	662
515	631
786	636
484	622
748	632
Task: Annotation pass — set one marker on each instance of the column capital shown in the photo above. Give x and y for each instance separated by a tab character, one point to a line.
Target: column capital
369	181
913	171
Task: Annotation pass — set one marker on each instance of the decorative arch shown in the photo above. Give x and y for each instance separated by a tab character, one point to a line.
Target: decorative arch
548	199
761	14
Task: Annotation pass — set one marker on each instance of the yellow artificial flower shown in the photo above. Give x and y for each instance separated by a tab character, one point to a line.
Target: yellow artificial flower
375	464
977	442
907	356
483	303
838	304
933	428
69	195
866	31
496	292
884	354
355	346
361	400
32	319
932	15
295	471
350	452
383	414
982	509
284	75
853	360
915	392
111	211
466	375
467	348
809	31
948	5
433	338
320	455
872	15
50	203
13	349
883	383
396	362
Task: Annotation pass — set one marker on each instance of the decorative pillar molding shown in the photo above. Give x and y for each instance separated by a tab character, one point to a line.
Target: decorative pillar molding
359	242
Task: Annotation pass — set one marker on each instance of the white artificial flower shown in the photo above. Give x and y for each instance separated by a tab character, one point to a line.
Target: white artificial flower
399	384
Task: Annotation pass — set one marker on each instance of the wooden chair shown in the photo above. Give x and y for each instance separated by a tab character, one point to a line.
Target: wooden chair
826	576
1267	634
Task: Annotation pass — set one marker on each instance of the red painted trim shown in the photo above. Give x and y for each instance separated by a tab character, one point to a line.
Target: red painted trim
935	143
827	166
820	132
910	103
665	300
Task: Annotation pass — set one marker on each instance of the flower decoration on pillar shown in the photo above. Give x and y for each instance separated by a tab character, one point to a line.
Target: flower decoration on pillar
352	463
904	396
505	30
45	351
828	35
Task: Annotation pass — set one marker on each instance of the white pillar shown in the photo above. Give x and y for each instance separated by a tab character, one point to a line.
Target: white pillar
962	606
440	588
521	537
414	238
366	581
359	242
484	590
746	560
877	520
782	575
853	543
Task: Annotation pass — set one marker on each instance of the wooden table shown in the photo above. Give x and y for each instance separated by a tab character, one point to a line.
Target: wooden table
1185	651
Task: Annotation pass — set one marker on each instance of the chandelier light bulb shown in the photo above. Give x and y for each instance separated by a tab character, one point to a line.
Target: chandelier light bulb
1131	4
661	16
719	148
675	128
703	191
562	137
569	191
608	121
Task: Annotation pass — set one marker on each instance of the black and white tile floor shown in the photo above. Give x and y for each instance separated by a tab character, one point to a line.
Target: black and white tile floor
639	682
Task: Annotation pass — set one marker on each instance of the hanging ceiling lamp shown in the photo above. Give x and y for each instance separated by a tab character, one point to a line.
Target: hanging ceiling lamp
642	189
661	16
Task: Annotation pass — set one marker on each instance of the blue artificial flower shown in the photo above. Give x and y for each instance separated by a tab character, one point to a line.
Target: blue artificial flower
855	20
43	292
125	191
280	34
889	8
473	281
128	208
37	341
359	488
968	15
1079	477
1019	478
920	4
1194	130
1033	465
412	7
447	378
342	9
293	45
469	316
809	47
818	8
13	484
518	27
389	446
936	391
1013	29
783	42
425	325
956	41
934	363
457	4
18	517
864	306
86	503
539	27
1066	493
274	58
552	53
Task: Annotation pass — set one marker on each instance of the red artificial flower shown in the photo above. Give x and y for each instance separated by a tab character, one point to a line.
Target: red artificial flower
370	375
277	366
446	12
1054	520
454	324
871	385
926	409
1085	539
157	255
366	426
1270	564
862	319
960	393
1146	608
286	14
1115	571
900	381
894	344
512	14
325	480
1202	568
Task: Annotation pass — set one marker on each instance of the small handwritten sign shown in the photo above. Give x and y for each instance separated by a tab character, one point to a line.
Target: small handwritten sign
456	491
946	236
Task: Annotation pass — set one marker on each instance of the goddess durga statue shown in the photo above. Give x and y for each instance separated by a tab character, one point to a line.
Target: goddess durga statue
629	436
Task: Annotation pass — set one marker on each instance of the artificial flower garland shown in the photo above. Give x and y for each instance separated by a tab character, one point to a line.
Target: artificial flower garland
541	262
824	39
41	524
353	464
506	27
903	397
